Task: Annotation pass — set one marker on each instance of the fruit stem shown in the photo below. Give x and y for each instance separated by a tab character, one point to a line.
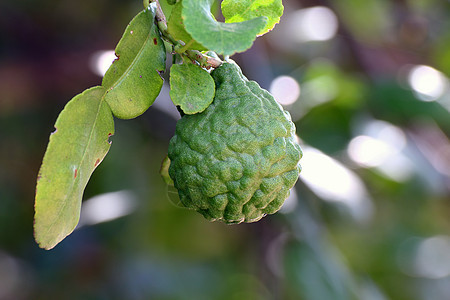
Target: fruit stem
180	47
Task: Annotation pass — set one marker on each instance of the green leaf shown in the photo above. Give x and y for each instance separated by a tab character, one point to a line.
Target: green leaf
76	148
191	88
243	10
223	38
176	29
133	81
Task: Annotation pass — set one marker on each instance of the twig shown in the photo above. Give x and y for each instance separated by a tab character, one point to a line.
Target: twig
203	59
180	47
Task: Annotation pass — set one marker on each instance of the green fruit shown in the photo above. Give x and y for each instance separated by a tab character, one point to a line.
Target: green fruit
237	160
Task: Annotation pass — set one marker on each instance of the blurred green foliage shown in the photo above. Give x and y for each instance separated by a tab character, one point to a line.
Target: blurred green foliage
318	247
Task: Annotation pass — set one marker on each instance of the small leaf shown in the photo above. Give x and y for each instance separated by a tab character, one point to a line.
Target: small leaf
164	171
76	148
172	192
223	38
133	81
176	29
191	88
243	10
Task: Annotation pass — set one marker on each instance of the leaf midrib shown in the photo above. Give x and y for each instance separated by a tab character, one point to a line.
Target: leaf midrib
70	194
134	61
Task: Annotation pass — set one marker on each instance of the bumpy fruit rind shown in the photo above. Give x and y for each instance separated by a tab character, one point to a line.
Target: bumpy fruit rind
237	160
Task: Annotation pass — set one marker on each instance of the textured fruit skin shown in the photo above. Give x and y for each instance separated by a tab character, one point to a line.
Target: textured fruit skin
237	160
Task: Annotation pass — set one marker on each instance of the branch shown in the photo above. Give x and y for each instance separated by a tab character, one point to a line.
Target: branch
206	61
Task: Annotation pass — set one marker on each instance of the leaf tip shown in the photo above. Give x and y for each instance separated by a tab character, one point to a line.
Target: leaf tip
39	241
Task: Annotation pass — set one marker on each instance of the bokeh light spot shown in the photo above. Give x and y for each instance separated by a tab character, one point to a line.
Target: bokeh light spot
381	146
369	151
332	181
101	61
285	89
433	257
317	23
429	83
107	207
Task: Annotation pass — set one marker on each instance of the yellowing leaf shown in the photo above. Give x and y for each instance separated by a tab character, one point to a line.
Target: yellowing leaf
243	10
76	148
164	171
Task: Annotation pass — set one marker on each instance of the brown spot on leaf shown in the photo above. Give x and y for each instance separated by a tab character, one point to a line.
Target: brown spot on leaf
75	173
97	162
109	136
155	41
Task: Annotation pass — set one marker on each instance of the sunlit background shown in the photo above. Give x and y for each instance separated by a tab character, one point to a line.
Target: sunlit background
367	85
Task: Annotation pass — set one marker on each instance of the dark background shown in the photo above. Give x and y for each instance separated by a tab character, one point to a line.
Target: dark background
368	219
